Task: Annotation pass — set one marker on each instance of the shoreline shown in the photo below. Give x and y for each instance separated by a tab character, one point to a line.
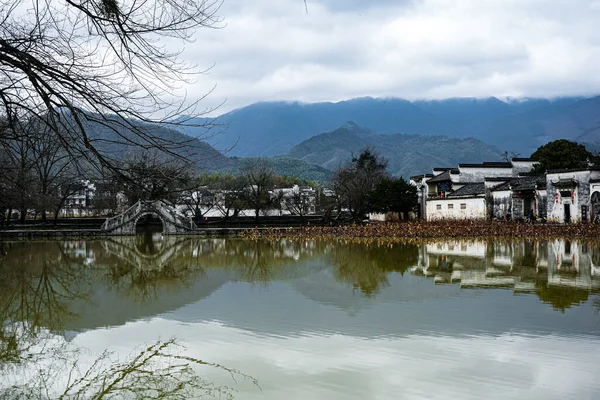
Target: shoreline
390	231
416	230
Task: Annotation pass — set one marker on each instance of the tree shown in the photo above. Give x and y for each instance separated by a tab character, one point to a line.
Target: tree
150	176
299	203
56	175
506	156
354	181
393	195
83	65
561	154
259	179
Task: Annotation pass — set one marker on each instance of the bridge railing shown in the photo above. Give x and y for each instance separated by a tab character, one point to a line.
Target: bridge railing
162	209
123	218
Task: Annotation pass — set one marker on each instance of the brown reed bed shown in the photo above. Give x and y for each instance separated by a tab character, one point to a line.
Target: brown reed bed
401	231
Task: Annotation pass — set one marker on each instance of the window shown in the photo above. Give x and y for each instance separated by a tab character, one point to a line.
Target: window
438	207
463	206
450	206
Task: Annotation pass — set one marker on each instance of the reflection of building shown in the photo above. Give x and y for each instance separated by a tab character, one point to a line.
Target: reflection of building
550	269
570	264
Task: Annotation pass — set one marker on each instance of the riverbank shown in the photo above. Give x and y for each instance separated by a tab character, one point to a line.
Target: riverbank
427	230
379	230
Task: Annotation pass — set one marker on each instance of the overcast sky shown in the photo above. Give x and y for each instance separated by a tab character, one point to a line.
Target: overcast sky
413	49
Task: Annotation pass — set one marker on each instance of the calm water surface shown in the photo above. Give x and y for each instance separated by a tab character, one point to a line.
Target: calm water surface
320	320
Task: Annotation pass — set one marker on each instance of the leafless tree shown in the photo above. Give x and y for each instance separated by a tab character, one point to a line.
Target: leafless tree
198	200
99	72
298	203
149	175
56	175
259	179
18	175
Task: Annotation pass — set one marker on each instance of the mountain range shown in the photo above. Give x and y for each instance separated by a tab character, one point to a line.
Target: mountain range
311	140
406	154
514	125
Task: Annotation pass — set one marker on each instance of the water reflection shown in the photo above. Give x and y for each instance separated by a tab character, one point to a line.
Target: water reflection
83	284
560	272
299	306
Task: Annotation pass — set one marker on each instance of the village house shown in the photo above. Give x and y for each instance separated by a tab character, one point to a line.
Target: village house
466	191
509	190
574	195
517	197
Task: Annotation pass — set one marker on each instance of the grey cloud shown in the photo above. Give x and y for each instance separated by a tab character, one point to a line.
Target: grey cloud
358	5
412	49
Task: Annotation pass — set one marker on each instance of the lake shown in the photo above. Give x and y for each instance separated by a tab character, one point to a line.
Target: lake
311	319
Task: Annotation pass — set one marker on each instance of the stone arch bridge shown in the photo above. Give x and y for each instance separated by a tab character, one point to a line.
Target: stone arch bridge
173	222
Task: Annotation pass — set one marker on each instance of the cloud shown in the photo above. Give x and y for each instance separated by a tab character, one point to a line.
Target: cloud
322	366
411	49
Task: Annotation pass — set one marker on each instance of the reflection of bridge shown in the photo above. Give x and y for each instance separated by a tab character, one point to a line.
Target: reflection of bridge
127	249
172	221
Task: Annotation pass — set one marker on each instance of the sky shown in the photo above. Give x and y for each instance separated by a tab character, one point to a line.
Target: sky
270	50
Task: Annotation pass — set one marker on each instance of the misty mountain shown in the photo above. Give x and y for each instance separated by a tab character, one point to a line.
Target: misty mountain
267	129
112	141
116	141
407	154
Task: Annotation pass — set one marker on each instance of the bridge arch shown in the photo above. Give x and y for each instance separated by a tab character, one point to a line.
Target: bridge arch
172	220
152	213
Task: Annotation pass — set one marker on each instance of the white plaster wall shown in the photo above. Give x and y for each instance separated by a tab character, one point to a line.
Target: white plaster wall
502	202
556	212
477	174
475	209
522	166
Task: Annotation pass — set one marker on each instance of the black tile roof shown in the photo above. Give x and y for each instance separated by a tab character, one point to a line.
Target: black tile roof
421	176
523	183
470	189
443	177
487	164
517	159
497	178
559	171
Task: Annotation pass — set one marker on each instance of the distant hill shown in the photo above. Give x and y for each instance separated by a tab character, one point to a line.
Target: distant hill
407	154
117	142
202	155
285	166
267	129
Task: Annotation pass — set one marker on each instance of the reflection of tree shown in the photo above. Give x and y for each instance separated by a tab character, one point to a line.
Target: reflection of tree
255	261
158	371
560	298
366	266
36	288
39	282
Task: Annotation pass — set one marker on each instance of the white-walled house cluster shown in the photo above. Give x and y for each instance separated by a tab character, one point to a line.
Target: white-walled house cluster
509	190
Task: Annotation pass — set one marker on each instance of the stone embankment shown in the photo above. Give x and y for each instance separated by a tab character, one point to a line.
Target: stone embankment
427	230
